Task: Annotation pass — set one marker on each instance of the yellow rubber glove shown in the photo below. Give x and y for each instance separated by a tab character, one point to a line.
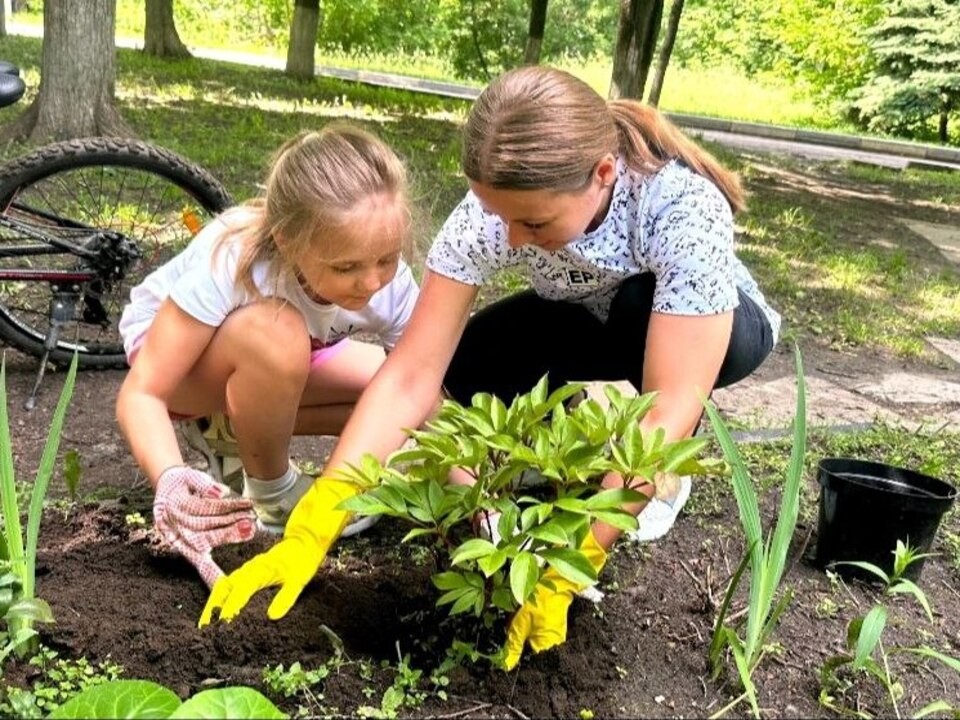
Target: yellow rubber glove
543	623
314	526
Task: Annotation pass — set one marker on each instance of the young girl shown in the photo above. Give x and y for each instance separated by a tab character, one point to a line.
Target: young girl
625	228
252	320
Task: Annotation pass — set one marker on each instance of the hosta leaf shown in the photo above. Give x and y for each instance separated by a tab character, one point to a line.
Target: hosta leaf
571	564
121	699
226	703
524	573
471	550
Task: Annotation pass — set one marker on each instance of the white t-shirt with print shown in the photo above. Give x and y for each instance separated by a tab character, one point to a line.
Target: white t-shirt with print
201	283
674	223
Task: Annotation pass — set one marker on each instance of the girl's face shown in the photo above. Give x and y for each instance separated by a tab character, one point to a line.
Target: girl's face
550	219
348	269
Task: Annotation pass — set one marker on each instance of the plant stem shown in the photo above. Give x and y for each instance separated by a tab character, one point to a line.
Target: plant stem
728	707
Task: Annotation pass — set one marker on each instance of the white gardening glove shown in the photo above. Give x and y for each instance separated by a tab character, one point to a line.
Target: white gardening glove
194	514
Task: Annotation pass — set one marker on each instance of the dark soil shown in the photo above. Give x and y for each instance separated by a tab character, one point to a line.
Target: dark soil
642	652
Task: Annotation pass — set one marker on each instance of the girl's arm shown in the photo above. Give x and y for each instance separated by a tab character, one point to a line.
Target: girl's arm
170	349
404	391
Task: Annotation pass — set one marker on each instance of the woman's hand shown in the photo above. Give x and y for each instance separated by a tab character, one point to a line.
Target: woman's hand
313	527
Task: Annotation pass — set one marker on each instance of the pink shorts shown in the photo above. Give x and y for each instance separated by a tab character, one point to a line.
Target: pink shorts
318	356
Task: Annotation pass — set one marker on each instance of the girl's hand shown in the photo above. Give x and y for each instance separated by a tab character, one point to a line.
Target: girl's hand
194	514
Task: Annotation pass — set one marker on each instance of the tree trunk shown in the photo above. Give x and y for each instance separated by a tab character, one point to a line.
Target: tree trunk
3	19
303	39
666	48
77	75
538	21
942	125
636	41
160	36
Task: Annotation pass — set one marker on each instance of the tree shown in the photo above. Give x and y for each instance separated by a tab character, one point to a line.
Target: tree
917	73
77	75
666	48
636	40
538	21
303	39
160	36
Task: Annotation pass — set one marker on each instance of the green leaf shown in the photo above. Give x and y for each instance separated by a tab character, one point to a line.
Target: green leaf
417	532
524	573
13	531
72	472
550	532
870	630
613	499
448	580
951	662
908	586
493	562
32	610
471	550
121	699
467	601
938	706
226	703
571	564
620	519
869	567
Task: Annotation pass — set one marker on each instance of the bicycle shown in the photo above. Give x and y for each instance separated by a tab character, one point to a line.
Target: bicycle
82	222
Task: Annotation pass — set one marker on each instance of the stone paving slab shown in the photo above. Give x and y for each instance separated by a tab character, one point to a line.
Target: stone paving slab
771	404
950	348
946	238
911	389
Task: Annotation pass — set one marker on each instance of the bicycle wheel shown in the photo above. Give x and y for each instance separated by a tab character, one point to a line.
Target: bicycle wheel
152	197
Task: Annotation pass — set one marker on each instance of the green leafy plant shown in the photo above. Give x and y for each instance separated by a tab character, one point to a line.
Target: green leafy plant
19	607
496	446
145	699
894	582
59	680
866	654
766	558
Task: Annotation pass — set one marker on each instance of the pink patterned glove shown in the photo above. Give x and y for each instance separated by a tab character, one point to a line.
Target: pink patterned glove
194	514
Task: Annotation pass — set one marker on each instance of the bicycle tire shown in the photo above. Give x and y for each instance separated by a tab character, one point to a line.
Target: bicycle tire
85	181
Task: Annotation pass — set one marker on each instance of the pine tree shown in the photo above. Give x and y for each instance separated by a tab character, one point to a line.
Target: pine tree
917	72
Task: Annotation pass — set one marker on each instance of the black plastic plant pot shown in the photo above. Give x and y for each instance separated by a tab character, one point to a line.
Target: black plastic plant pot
865	507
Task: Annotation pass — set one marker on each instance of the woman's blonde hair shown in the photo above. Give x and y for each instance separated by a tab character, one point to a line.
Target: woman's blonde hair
538	128
315	183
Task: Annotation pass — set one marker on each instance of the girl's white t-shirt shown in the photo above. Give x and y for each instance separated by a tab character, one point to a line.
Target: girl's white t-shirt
674	223
201	283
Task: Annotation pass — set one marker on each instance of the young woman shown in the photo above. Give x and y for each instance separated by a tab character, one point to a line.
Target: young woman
625	229
252	320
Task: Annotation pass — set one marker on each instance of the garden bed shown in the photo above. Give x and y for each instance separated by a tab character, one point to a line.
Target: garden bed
642	652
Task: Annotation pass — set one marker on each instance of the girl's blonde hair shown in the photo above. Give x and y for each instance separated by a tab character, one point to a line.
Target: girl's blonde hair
538	128
315	183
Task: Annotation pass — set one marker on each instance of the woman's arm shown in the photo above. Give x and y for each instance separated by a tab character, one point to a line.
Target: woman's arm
681	363
170	349
404	391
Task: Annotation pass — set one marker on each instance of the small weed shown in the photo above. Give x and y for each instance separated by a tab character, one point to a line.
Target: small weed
59	681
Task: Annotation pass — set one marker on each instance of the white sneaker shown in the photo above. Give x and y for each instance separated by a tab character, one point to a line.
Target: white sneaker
272	515
656	519
213	438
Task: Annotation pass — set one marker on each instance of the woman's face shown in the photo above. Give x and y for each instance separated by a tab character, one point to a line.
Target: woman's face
550	219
